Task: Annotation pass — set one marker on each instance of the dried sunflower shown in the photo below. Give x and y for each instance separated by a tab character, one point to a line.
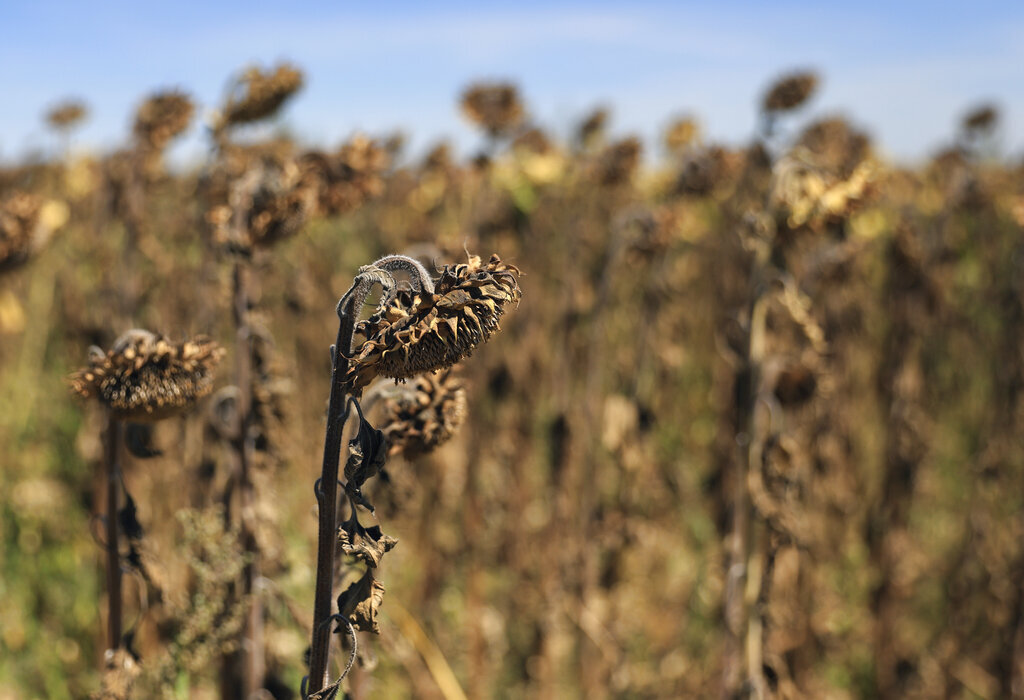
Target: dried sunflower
681	134
350	176
789	92
162	117
424	415
618	162
590	131
494	106
980	119
428	326
66	114
257	95
804	194
145	377
26	224
270	201
835	145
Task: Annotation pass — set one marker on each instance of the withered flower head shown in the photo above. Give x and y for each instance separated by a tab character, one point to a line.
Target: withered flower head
617	163
145	377
835	145
350	176
806	194
257	95
494	106
423	415
26	224
66	114
707	169
789	92
533	141
439	158
162	117
591	129
980	119
270	202
681	134
427	326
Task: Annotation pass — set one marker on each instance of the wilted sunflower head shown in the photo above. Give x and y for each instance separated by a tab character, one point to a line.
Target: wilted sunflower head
145	377
162	117
806	194
494	106
836	145
26	223
428	325
591	130
789	92
257	94
348	177
618	162
681	134
423	415
66	114
269	202
980	119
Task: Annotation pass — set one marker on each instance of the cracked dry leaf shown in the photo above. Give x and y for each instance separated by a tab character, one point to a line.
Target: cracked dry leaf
361	601
369	544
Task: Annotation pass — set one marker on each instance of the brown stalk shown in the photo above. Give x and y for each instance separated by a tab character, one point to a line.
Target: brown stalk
327	490
115	605
738	537
252	646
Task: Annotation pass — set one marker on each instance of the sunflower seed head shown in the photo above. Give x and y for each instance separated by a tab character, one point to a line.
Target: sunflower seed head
146	377
413	331
424	415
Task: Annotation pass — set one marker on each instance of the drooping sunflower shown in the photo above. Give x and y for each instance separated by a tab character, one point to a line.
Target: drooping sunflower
258	94
162	117
433	327
495	107
146	377
27	222
789	92
424	415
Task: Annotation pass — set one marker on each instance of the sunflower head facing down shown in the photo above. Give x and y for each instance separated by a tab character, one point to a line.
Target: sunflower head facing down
145	377
423	414
425	325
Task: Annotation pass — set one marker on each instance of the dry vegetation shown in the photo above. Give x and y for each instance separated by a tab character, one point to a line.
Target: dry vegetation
753	428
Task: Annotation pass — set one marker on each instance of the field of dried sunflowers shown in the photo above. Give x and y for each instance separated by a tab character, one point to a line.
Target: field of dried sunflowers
751	426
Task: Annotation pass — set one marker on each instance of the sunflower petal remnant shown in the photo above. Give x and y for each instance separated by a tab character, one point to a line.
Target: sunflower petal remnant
419	330
146	377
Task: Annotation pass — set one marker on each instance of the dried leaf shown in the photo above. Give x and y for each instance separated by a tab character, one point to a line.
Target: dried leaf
368	544
361	601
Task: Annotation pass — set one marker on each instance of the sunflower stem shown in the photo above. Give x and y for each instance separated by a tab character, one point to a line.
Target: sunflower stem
253	665
327	496
113	466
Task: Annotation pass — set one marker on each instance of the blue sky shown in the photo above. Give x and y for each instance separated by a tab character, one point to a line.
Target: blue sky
906	71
